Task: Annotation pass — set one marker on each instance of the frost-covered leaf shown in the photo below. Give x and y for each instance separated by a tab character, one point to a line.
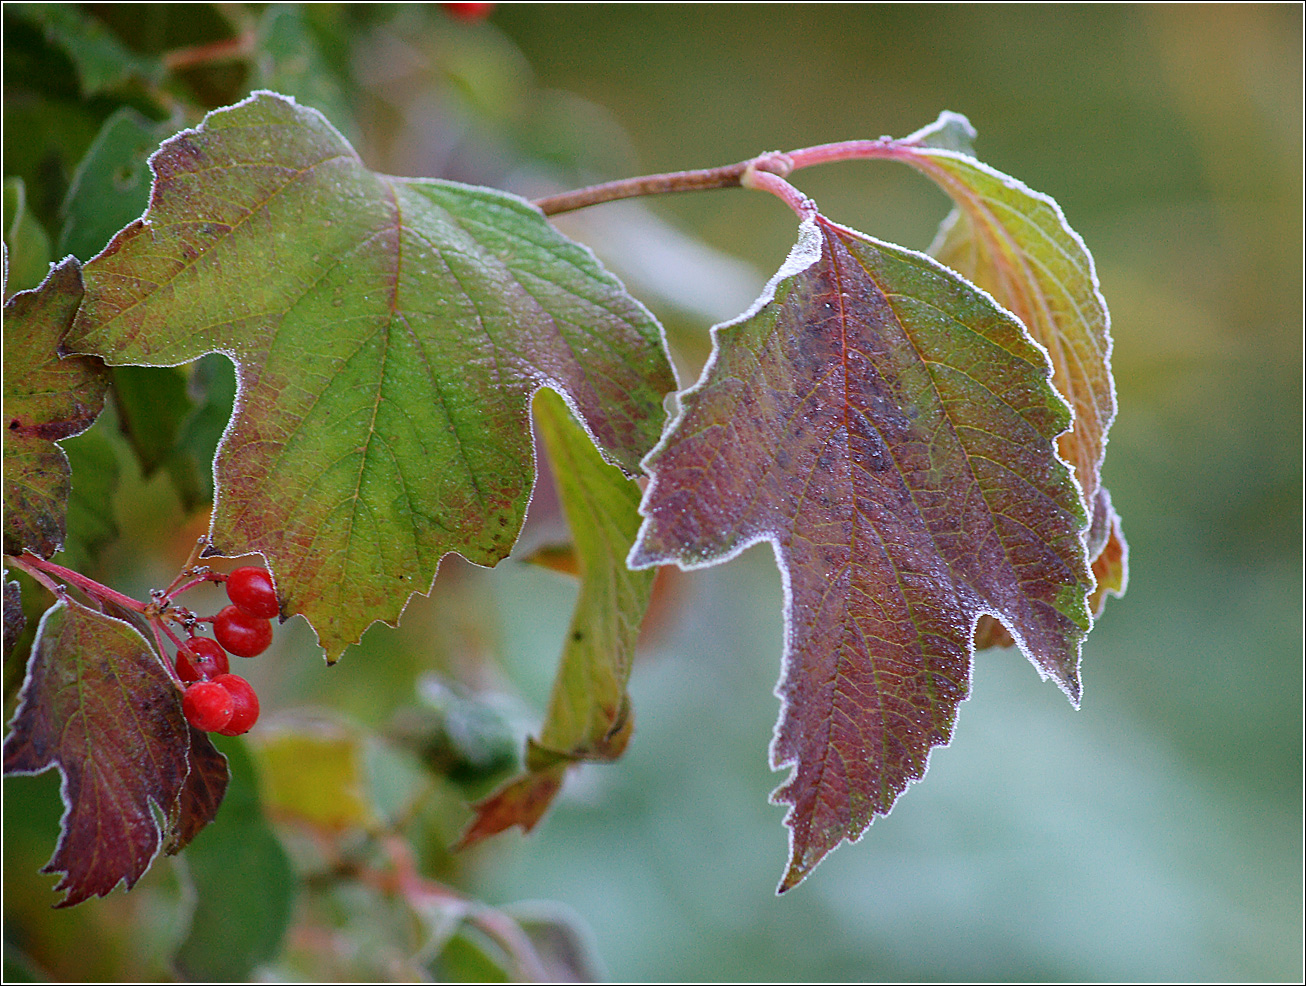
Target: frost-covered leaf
98	705
46	398
589	715
892	433
111	186
388	335
288	59
1016	244
15	620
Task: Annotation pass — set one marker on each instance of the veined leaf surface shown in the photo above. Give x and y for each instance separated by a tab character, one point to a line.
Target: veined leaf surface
1016	244
98	705
892	433
46	399
589	716
388	335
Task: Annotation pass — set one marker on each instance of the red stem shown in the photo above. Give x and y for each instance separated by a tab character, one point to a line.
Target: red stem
27	562
767	182
743	174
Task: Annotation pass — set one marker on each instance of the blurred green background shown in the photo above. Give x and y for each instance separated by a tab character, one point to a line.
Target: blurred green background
1156	834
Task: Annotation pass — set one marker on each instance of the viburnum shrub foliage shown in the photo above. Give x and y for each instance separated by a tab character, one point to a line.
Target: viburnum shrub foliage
918	436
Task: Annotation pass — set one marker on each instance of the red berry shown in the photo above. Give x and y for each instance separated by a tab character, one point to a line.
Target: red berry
240	633
208	706
201	659
251	589
245	702
468	11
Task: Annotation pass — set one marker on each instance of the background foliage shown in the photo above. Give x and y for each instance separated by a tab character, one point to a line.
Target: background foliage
1154	834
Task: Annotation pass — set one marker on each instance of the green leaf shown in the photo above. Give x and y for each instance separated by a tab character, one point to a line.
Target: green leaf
244	884
212	390
153	404
111	186
101	60
388	333
91	522
46	398
589	716
28	248
892	433
98	705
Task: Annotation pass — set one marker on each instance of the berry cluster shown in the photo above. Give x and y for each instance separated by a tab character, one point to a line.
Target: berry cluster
216	701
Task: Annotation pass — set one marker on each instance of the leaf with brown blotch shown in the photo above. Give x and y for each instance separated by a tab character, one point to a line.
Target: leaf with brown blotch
892	432
1015	243
388	335
589	716
98	705
46	398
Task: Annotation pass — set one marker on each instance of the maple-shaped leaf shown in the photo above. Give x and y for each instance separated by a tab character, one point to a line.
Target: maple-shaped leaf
589	715
1016	244
891	432
98	705
46	398
388	335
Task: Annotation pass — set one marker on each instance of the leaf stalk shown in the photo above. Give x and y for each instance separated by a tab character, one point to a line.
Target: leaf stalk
741	175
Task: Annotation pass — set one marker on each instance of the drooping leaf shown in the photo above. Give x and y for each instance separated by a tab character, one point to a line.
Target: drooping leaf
27	247
1016	244
201	795
388	333
46	398
589	715
99	706
111	186
892	433
1111	564
244	883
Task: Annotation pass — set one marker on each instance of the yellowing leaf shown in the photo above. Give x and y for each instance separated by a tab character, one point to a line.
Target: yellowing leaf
589	716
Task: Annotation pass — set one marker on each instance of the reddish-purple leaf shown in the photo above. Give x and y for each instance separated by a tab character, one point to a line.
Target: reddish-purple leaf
201	796
98	705
892	433
46	399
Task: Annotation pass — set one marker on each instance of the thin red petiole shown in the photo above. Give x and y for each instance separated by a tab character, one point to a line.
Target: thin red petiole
767	181
29	562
